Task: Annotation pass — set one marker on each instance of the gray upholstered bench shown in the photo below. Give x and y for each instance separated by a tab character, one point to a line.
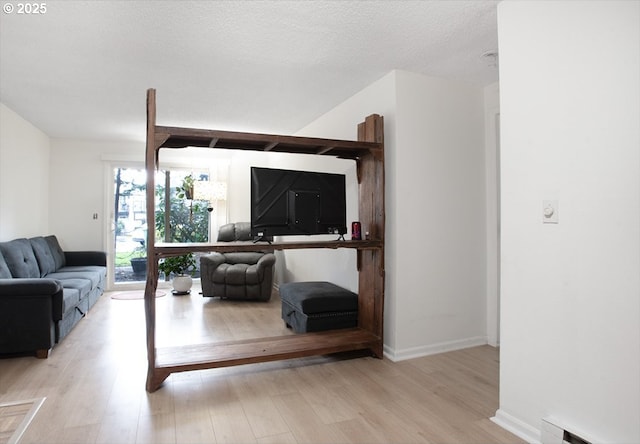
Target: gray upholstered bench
316	306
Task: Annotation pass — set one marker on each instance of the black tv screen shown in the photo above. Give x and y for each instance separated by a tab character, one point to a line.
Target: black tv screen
290	202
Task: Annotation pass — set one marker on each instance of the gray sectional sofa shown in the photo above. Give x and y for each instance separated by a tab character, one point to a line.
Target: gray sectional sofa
44	292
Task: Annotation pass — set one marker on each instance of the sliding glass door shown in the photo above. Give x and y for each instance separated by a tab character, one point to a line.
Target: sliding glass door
130	225
180	217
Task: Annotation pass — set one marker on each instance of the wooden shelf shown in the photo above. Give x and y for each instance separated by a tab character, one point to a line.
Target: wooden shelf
368	154
176	249
171	137
224	354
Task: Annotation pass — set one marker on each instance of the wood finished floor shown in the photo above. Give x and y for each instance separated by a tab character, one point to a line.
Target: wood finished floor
94	386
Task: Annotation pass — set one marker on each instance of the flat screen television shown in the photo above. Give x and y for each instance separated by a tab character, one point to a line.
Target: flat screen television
290	202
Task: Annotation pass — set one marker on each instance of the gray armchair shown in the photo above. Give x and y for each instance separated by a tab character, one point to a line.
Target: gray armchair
237	275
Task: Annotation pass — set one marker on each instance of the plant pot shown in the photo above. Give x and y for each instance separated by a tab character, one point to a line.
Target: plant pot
139	265
182	284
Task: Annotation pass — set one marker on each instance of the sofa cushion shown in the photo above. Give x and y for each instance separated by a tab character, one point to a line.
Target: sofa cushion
243	257
41	249
236	274
70	298
82	285
20	258
83	268
231	274
4	270
70	319
81	258
56	251
238	231
251	275
95	278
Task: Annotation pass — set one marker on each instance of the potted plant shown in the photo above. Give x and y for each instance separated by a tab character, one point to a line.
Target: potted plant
139	258
182	268
186	190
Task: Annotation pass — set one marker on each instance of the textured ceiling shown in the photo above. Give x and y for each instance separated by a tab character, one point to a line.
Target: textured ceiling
81	69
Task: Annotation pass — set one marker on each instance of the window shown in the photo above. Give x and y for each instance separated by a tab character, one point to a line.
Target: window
184	219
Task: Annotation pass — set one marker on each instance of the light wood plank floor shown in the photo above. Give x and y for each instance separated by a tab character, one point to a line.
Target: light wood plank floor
94	386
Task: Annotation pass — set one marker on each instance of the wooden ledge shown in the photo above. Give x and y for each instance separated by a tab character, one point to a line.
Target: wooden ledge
174	137
174	249
224	354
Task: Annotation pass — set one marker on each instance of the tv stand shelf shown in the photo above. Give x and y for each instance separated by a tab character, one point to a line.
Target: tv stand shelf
176	249
368	154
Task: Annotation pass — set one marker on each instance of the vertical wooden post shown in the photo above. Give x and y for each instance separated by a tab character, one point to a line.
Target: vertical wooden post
152	260
372	216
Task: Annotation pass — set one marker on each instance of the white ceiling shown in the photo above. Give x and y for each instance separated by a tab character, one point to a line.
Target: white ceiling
81	69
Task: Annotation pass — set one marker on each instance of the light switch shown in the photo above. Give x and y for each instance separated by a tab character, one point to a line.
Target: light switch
549	211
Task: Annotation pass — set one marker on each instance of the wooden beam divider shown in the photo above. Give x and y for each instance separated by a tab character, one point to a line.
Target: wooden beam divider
368	153
325	150
270	146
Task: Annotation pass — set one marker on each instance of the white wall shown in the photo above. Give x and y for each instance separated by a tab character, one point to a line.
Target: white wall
24	178
435	208
83	184
338	266
80	178
492	187
570	117
342	123
240	182
439	218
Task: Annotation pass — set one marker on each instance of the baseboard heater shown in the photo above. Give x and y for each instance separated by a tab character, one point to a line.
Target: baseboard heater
553	432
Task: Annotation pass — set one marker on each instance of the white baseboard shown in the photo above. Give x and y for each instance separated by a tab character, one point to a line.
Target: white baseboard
519	428
432	349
